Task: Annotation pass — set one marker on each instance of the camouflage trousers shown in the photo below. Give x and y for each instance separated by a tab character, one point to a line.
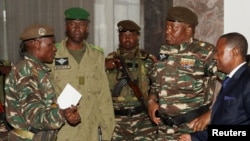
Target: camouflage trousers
41	136
134	128
168	133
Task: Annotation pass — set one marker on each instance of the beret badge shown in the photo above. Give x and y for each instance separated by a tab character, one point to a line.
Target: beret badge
120	28
41	31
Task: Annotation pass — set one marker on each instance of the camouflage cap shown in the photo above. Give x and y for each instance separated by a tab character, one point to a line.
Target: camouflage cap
128	25
76	13
182	14
36	31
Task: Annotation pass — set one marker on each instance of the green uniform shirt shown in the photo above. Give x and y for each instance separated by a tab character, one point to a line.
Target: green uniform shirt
89	78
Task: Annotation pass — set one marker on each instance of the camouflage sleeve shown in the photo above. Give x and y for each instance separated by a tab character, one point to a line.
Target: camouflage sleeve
105	112
34	98
155	78
149	63
211	68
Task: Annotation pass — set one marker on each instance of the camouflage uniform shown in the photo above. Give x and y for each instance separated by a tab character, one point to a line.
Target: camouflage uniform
183	81
89	78
138	126
30	95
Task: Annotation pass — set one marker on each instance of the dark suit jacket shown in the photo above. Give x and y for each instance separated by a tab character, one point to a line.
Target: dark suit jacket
232	104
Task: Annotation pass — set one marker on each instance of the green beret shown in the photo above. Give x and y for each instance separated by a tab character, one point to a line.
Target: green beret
36	31
182	14
76	13
128	25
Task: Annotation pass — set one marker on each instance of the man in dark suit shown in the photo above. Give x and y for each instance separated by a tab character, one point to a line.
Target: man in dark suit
232	104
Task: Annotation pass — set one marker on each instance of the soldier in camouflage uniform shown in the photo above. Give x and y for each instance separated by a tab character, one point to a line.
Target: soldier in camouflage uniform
184	79
132	122
30	102
82	65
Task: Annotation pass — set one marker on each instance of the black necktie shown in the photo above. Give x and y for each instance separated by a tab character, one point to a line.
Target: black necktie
225	81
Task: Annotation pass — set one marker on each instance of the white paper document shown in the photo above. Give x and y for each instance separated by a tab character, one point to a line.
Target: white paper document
69	96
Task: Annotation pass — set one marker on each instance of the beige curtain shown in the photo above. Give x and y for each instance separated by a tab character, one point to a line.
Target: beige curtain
108	13
104	15
21	13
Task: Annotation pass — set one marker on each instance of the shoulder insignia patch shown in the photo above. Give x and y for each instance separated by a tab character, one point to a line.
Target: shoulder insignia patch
97	48
111	55
202	44
57	45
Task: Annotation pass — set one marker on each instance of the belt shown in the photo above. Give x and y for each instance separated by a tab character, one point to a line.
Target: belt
129	112
33	130
178	120
24	133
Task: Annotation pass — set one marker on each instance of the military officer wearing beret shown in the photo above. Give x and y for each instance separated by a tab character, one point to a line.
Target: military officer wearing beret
184	78
132	121
30	102
81	64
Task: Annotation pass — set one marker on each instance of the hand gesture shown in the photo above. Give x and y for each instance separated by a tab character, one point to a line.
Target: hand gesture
153	108
110	64
201	122
72	116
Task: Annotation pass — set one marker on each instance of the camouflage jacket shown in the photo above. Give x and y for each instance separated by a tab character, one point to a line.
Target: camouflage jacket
185	77
140	65
30	96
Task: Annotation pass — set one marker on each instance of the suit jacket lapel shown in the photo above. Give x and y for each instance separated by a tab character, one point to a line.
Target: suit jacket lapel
227	89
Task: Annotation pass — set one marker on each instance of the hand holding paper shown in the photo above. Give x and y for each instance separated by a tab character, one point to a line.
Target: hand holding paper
69	96
72	116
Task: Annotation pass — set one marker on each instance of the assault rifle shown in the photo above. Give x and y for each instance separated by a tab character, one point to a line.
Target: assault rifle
127	78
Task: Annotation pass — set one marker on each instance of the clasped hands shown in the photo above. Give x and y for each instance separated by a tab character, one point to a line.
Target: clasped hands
198	124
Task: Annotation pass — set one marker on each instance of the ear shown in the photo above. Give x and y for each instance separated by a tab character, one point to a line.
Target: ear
36	44
235	51
189	30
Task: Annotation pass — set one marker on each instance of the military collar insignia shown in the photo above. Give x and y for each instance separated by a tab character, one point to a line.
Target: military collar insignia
163	56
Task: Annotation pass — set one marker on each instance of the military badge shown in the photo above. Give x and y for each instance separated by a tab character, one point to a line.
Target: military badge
187	63
163	56
120	28
41	31
62	63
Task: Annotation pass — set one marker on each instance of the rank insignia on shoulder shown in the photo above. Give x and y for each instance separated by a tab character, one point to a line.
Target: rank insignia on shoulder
62	63
202	44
